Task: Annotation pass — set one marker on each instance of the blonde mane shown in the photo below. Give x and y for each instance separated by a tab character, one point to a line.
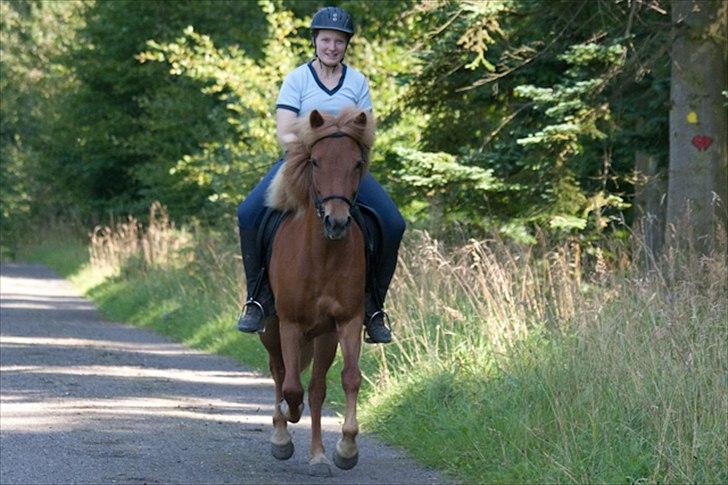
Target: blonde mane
291	187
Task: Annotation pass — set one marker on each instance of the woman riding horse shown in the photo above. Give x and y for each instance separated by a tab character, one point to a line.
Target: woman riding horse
328	85
317	273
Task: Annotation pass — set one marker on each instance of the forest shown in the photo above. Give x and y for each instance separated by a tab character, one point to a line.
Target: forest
507	117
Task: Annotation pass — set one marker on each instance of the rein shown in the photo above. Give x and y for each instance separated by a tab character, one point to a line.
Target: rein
319	201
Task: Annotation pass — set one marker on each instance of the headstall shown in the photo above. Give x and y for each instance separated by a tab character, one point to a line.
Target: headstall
320	201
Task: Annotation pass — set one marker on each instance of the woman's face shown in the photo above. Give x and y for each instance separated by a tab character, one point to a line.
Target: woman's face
331	46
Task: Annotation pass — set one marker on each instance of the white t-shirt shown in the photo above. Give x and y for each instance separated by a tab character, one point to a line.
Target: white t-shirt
302	91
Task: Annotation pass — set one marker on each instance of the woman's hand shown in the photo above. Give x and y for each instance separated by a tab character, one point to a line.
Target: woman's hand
287	138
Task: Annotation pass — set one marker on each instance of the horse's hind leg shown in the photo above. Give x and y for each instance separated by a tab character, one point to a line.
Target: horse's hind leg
346	454
281	442
324	353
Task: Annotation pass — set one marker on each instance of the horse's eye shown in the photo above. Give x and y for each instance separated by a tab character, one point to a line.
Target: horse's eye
360	164
314	162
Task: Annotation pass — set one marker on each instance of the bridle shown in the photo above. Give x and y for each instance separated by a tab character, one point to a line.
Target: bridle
319	201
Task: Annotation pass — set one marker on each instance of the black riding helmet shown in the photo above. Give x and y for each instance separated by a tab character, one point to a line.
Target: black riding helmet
332	18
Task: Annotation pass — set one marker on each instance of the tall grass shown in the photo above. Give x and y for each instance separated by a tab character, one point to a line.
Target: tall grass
128	245
543	363
546	364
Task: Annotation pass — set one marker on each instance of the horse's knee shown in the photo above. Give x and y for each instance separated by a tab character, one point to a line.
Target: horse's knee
351	379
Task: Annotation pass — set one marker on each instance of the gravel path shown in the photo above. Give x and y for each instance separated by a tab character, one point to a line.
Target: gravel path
84	400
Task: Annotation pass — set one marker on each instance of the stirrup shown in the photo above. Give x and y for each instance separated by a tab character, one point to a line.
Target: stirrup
260	327
251	301
385	323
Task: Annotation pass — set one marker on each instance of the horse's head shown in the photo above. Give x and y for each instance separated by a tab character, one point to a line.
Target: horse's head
325	168
338	162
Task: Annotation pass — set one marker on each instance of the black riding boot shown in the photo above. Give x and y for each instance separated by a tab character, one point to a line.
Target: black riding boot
376	321
260	298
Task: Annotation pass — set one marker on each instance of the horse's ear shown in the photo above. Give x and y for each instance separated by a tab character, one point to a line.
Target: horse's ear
361	119
315	119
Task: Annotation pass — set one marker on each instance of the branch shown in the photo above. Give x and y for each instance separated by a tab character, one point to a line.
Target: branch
495	132
489	79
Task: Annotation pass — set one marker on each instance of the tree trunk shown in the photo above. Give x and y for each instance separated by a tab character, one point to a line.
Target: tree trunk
698	174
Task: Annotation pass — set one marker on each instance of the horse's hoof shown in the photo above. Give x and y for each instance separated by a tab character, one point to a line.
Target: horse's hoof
345	463
320	470
282	452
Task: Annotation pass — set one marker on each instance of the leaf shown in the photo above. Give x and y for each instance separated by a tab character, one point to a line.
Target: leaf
567	222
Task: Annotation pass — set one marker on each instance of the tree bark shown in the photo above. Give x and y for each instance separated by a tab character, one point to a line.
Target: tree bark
698	174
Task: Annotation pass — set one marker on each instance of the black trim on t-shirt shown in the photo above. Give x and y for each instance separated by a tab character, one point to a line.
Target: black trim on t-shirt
290	108
321	85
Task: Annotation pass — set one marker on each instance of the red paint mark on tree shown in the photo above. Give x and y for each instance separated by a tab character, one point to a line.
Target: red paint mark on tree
702	142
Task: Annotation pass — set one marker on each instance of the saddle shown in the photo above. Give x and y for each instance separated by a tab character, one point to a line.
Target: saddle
365	217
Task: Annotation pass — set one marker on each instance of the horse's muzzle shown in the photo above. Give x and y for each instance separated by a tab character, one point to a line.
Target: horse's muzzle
335	229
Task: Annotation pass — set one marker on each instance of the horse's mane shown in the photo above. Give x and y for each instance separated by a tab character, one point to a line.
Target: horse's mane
291	187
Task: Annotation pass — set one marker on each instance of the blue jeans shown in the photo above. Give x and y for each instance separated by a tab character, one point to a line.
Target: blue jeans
371	194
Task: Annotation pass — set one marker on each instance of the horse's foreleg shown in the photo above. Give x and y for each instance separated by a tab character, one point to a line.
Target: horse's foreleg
347	453
292	403
281	442
324	353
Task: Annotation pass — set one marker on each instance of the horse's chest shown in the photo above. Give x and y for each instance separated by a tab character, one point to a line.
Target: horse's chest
312	287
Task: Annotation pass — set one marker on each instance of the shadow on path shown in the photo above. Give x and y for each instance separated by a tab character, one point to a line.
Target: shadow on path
83	400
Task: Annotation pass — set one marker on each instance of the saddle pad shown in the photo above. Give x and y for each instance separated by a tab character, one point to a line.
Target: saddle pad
365	217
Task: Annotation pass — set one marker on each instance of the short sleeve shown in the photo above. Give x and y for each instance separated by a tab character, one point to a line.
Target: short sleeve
364	99
289	96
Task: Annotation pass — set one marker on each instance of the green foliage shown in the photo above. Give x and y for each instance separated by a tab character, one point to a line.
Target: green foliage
33	35
134	122
545	103
227	167
512	367
492	116
437	181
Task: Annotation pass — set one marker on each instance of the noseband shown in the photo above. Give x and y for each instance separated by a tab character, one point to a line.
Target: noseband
319	201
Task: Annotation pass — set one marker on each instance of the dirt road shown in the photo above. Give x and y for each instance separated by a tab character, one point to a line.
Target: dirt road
83	400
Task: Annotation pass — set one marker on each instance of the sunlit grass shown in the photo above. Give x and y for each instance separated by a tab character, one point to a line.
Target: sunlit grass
546	369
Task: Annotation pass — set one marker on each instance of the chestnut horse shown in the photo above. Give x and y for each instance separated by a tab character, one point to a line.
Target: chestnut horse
317	274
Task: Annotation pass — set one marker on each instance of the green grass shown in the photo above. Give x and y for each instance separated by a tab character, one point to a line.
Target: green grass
66	257
636	391
506	367
170	303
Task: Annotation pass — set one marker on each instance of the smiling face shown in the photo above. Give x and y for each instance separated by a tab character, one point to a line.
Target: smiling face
330	46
